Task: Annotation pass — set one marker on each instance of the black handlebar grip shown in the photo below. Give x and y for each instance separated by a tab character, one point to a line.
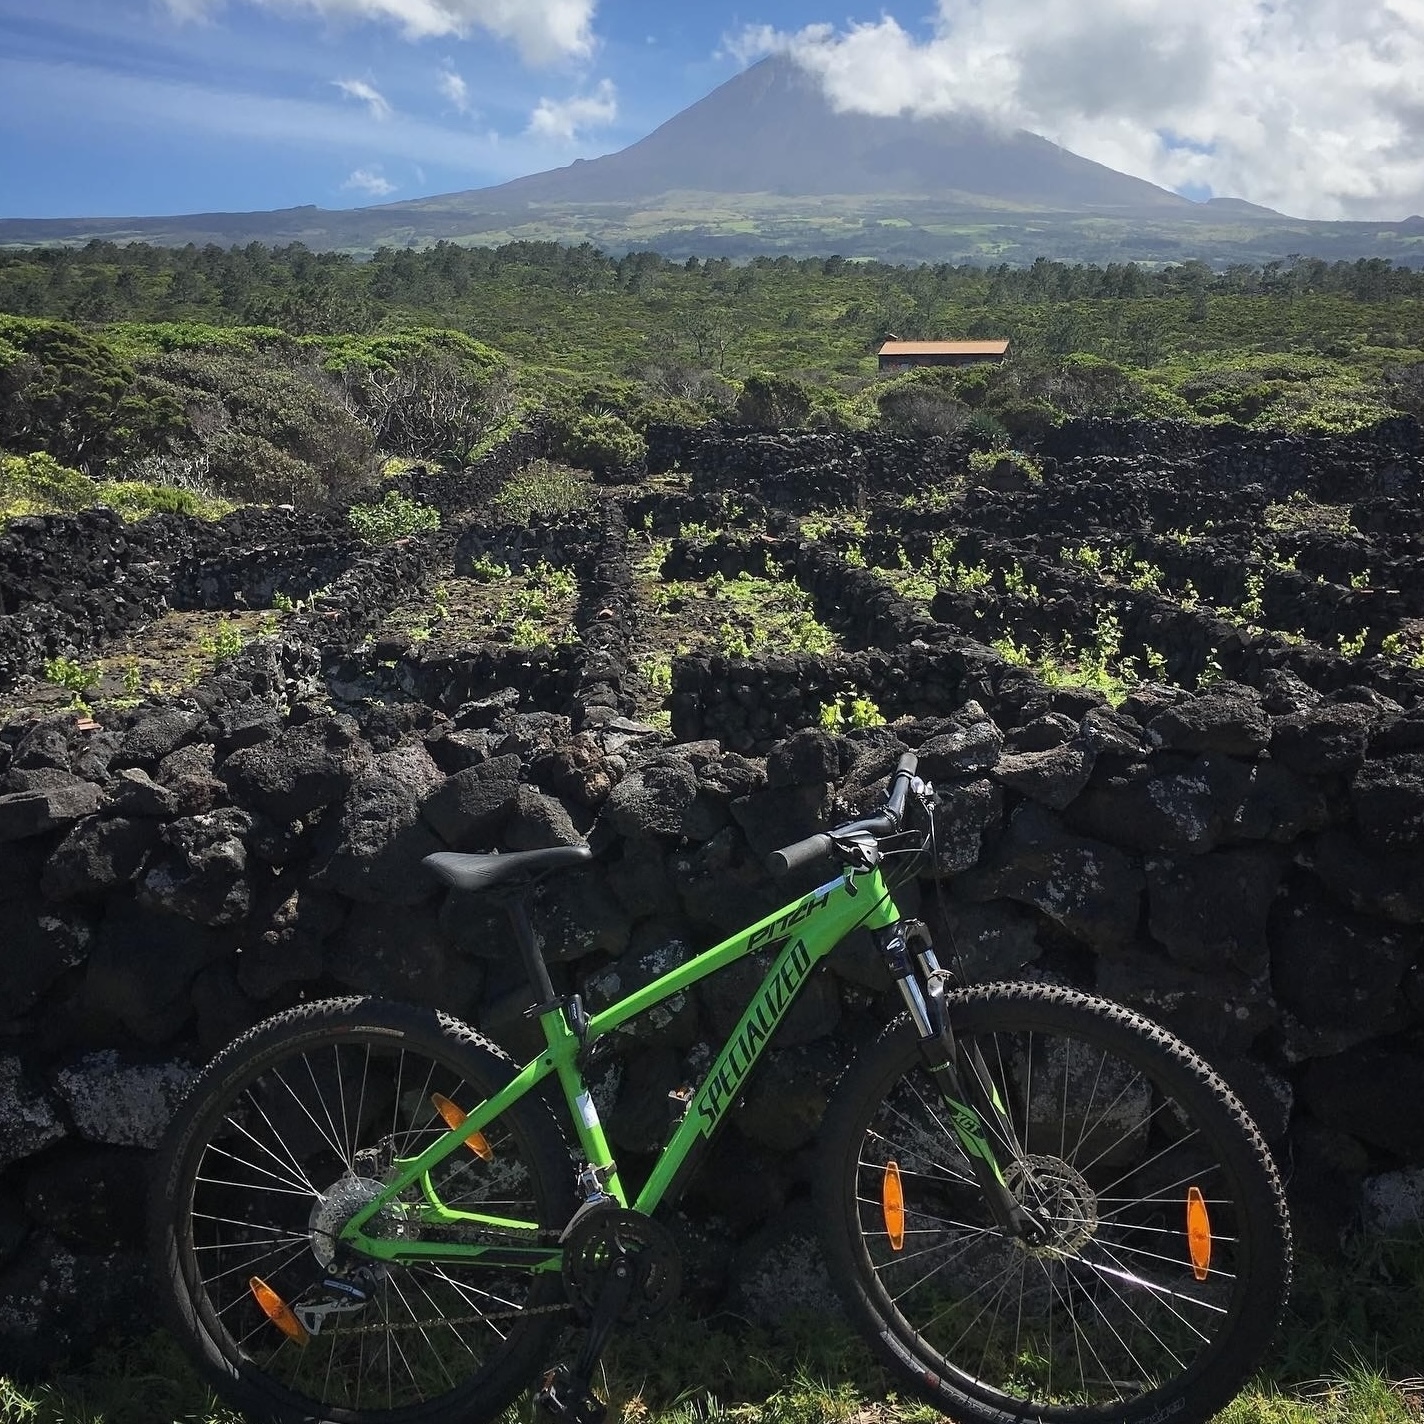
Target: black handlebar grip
900	785
793	857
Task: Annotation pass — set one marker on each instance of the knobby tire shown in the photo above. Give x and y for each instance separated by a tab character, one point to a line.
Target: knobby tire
277	1137
1113	1122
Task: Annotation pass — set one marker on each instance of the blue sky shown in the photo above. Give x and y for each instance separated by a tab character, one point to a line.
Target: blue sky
129	107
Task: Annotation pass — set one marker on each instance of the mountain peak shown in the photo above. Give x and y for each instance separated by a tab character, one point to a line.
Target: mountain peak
770	129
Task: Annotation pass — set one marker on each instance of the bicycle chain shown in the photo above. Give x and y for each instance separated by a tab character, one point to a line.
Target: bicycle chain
386	1326
542	1238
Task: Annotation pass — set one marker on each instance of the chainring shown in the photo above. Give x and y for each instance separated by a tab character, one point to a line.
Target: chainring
595	1242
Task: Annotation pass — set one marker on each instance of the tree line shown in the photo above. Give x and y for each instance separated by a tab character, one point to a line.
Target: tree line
314	292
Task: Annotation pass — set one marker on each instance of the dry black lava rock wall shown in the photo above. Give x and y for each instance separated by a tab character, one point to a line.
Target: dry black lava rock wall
1243	868
1246	864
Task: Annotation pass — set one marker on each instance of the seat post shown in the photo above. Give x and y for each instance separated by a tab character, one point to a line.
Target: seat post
529	947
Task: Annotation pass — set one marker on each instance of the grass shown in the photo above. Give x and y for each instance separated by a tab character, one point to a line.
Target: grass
1356	1396
1299	512
750	616
487	601
1350	1351
684	1371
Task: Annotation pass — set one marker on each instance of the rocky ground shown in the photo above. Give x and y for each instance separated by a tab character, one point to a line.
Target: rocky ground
1171	690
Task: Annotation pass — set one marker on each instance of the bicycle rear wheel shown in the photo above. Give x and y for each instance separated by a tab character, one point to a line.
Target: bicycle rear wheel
282	1139
1168	1259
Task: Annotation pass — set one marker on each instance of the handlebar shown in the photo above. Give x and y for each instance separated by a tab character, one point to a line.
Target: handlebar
900	785
799	853
887	822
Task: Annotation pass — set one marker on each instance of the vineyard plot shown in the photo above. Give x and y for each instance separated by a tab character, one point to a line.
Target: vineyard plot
488	603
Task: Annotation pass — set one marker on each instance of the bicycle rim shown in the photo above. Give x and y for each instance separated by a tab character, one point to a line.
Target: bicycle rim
284	1155
1167	1250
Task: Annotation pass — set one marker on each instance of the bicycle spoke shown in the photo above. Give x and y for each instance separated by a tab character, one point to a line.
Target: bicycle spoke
291	1161
1161	1298
307	1112
339	1139
300	1188
1079	1339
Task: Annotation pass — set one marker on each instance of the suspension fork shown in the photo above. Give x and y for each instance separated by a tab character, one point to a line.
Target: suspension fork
976	1112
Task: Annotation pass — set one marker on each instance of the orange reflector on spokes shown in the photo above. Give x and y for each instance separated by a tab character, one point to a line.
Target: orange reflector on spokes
1198	1233
455	1117
277	1310
892	1204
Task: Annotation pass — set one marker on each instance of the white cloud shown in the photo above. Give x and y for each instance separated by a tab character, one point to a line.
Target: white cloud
454	88
370	180
563	120
374	101
543	31
1315	107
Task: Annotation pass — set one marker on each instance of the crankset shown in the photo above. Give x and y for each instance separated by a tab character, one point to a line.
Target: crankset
598	1240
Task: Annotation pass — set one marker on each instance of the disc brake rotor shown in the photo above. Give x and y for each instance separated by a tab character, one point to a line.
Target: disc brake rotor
1061	1195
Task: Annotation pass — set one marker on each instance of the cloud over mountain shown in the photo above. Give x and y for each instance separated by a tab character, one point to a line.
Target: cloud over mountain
564	120
1315	107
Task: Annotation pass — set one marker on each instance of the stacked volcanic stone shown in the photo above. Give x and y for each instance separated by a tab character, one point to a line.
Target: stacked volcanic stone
1243	865
804	470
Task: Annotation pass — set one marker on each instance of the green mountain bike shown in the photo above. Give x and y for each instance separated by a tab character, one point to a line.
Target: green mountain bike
1036	1204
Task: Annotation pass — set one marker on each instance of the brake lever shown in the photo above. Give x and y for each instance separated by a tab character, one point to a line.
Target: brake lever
860	849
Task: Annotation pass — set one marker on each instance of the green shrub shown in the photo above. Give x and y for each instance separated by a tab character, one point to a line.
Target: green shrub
135	500
983	428
543	489
1402	387
226	640
923	402
254	470
850	710
68	674
270	430
984	463
772	401
68	393
134	340
38	484
597	442
395	517
1090	385
1026	421
486	570
1310	394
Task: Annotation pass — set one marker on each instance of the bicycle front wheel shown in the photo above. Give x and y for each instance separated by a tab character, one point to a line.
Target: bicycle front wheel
283	1138
1168	1253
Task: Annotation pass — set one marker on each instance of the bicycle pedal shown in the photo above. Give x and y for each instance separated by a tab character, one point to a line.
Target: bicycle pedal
561	1396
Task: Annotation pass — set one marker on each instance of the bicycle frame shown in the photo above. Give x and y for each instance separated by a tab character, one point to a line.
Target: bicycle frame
804	932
